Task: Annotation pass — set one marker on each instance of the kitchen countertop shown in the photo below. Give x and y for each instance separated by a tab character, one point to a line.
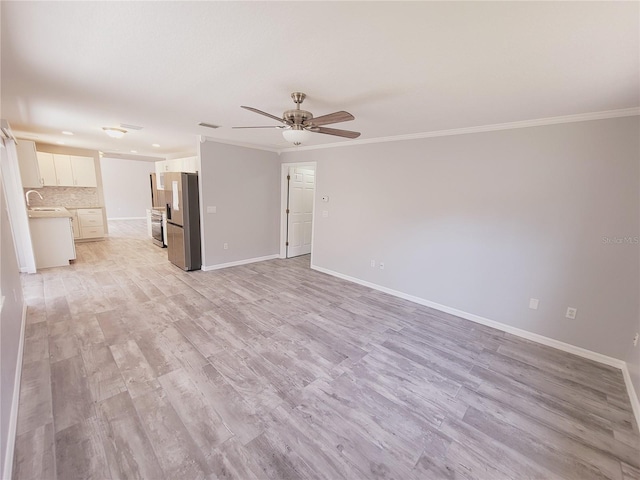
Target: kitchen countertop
60	212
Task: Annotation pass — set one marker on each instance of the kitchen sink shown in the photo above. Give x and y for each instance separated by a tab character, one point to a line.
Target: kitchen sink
47	209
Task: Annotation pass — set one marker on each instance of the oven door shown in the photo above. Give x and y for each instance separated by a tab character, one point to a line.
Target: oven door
157	231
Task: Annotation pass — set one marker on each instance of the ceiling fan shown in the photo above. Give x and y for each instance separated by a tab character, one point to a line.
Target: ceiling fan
298	123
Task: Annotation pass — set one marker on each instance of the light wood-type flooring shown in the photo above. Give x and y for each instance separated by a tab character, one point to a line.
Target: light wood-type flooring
136	369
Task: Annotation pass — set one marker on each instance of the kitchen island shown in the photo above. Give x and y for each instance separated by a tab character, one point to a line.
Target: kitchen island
51	236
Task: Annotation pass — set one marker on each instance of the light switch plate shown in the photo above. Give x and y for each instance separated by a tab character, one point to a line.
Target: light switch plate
211	209
533	303
325	213
571	313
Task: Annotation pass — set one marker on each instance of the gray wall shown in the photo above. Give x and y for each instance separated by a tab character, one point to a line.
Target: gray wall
482	222
243	185
633	356
127	192
10	322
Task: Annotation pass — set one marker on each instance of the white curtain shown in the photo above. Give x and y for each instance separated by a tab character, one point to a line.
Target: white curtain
16	205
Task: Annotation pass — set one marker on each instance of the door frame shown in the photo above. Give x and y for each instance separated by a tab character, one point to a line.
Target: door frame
284	168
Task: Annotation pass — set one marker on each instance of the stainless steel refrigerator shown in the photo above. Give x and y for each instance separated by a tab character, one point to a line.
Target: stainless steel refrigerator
183	219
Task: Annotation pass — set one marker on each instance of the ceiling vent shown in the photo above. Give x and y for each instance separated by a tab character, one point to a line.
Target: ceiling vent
130	127
208	125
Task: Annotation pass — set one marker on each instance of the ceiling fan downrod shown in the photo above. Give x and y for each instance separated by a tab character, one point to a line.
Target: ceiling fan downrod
298	98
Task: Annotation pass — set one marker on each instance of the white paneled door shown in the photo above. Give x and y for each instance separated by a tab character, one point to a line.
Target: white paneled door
302	184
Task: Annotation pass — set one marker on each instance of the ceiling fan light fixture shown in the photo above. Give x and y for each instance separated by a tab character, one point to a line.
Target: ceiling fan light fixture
114	132
296	135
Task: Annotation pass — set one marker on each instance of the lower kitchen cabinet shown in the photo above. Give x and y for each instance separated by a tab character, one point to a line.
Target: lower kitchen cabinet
88	223
52	242
74	223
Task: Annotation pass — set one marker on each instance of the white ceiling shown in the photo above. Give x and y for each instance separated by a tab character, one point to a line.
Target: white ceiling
399	68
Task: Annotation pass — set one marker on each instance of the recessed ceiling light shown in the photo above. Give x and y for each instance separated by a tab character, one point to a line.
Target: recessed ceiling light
60	143
114	132
67	132
134	151
155	144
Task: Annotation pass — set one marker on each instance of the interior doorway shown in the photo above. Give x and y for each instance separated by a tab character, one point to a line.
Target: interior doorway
298	195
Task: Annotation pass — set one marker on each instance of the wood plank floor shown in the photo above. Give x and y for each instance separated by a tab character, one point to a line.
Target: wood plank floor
135	369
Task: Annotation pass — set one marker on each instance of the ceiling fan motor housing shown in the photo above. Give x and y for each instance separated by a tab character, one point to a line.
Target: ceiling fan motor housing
297	117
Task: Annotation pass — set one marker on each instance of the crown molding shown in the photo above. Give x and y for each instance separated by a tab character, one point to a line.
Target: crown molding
581	117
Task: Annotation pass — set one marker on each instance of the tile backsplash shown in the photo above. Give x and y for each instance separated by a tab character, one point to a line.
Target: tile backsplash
65	197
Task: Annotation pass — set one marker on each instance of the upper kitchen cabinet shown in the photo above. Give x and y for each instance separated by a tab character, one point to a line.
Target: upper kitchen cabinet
64	174
188	164
84	171
47	170
66	170
28	161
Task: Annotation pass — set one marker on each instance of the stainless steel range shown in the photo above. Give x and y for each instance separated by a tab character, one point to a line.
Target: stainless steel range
157	227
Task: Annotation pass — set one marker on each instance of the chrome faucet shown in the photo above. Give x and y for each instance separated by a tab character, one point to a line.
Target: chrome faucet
26	195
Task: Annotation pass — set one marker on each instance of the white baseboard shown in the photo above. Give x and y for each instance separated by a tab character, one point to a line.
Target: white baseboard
13	416
633	395
582	352
126	218
207	268
534	337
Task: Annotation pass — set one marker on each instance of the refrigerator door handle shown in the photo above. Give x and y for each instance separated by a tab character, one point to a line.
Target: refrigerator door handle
168	211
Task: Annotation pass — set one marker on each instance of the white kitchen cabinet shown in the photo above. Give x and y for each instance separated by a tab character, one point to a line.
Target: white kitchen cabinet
47	169
64	173
190	164
28	161
52	241
84	171
74	223
90	223
187	164
56	170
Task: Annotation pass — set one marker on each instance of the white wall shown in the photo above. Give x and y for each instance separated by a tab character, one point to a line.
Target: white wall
482	222
10	334
244	186
127	189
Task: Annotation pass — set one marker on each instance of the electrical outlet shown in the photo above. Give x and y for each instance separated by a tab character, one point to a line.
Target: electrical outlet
533	303
373	264
381	265
571	313
211	209
225	246
635	339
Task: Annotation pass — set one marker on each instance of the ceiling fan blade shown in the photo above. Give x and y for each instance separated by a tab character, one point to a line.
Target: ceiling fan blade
337	132
263	113
335	117
271	126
